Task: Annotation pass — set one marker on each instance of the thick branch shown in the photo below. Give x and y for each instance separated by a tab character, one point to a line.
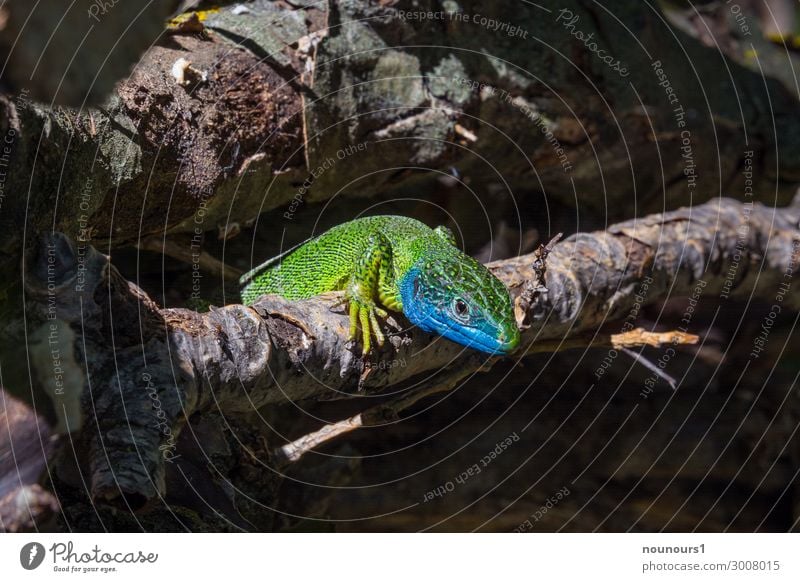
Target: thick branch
168	364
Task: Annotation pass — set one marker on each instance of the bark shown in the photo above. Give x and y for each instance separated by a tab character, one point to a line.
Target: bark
58	53
27	445
278	91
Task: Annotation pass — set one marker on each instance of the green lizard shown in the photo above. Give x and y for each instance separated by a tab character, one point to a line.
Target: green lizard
400	264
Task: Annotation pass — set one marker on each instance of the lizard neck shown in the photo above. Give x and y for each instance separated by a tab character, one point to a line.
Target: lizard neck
413	308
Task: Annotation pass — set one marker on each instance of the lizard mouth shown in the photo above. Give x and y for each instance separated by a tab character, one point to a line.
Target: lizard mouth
498	346
496	342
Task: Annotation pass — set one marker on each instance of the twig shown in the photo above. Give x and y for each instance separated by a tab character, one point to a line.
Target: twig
639	337
640	359
293	451
633	338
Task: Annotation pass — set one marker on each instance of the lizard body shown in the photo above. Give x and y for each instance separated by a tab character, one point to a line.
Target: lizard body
400	264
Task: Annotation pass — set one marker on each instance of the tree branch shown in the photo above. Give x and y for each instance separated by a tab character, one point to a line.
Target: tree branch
152	368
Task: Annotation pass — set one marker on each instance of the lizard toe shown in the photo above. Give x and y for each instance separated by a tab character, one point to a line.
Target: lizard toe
376	329
364	314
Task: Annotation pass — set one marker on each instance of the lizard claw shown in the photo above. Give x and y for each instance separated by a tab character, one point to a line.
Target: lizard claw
365	313
339	302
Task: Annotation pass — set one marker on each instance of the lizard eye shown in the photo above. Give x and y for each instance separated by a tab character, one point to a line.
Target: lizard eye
460	308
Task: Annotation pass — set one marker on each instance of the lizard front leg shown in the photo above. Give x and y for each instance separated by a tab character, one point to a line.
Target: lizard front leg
372	279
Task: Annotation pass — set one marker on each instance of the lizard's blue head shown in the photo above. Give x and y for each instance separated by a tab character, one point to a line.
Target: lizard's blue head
453	295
